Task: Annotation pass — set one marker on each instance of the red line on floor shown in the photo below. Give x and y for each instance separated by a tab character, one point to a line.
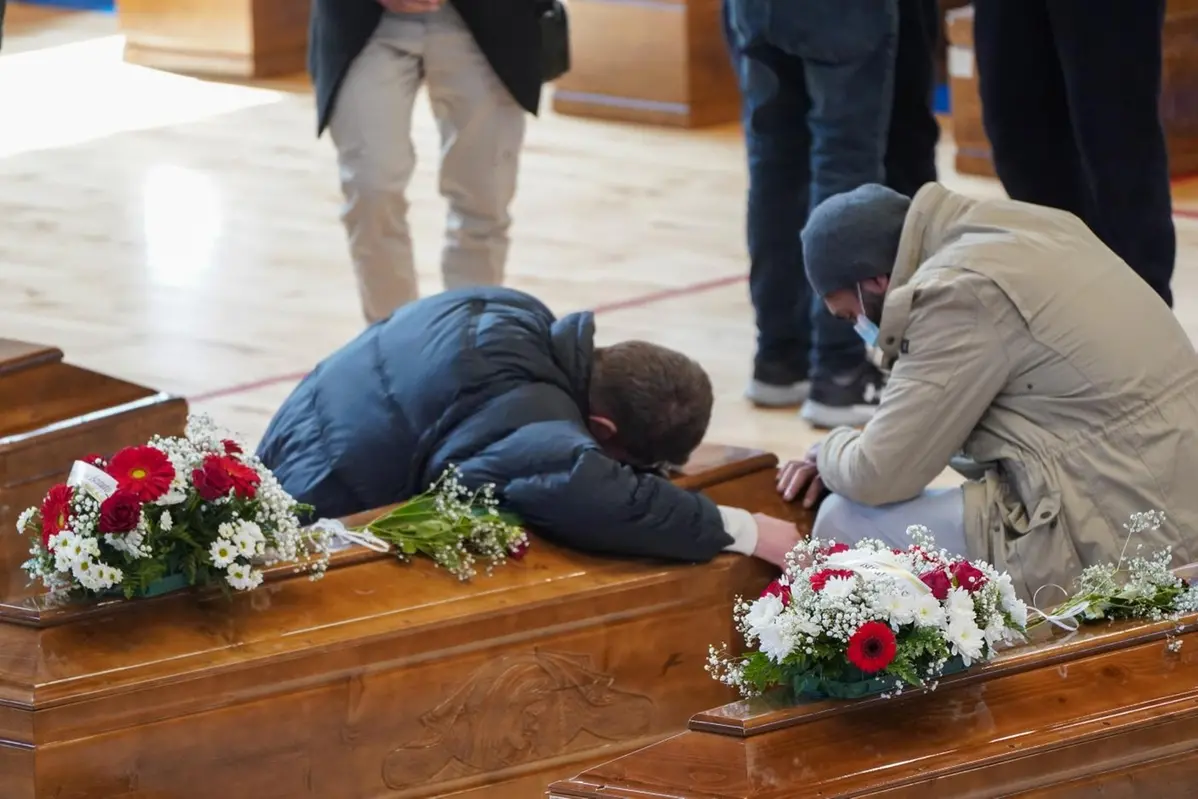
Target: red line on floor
1188	213
242	388
669	294
617	305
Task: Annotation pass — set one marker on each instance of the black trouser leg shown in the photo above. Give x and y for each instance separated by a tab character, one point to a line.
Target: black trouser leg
1110	54
1025	110
911	141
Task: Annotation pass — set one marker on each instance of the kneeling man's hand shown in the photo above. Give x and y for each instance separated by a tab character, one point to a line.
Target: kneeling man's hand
775	538
802	477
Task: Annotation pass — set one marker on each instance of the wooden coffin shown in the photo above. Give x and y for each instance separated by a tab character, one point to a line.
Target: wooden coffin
223	38
1179	111
1110	711
52	413
384	679
660	62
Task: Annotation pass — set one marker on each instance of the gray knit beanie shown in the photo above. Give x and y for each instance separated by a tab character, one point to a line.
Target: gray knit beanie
852	237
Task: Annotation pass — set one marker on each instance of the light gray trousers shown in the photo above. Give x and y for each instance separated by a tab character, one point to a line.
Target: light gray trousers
941	510
481	127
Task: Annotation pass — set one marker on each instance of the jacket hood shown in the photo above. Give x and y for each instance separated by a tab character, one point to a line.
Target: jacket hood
572	340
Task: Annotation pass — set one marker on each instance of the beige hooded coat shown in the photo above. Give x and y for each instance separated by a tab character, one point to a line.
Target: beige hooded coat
1018	338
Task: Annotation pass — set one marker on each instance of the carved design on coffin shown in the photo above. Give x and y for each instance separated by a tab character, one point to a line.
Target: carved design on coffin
518	709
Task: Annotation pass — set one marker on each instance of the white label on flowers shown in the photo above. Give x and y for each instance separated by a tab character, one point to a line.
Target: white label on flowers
96	482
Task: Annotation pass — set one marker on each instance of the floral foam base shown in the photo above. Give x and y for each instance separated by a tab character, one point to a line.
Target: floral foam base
808	687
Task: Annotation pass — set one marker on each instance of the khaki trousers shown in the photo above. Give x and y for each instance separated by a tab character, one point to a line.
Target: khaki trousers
481	127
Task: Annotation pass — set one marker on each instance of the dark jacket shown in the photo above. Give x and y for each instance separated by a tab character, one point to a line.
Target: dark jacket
487	379
507	31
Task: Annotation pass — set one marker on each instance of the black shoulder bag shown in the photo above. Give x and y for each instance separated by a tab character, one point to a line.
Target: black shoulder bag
555	39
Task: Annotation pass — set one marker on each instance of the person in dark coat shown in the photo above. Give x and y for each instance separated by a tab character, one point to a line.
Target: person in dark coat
1070	96
480	62
488	380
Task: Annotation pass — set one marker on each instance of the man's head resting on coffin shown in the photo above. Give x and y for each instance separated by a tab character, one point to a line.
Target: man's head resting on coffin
850	243
649	405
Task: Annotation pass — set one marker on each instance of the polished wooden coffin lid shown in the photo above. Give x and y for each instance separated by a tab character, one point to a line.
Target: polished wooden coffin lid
83	685
1061	711
51	413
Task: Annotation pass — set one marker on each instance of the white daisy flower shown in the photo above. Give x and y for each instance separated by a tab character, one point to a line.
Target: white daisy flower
222	552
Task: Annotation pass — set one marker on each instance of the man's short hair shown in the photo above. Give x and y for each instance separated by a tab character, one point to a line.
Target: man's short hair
659	399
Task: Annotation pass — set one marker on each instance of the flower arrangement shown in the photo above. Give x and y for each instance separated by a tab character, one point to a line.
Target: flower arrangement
184	511
1137	587
847	622
454	526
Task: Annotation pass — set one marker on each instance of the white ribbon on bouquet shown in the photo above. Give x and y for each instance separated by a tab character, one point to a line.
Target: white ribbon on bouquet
1065	618
343	537
877	563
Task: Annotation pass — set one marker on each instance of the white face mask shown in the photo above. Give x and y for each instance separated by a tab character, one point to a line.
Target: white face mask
865	327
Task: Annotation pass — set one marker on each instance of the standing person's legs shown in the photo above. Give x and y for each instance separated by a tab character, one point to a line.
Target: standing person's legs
482	131
848	52
371	129
775	106
1024	107
941	510
911	139
1110	53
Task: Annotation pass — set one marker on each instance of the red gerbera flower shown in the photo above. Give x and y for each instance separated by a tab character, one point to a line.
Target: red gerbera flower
145	471
872	647
779	590
835	548
56	511
245	478
821	578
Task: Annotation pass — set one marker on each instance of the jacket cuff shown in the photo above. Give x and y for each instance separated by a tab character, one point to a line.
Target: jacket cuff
741	525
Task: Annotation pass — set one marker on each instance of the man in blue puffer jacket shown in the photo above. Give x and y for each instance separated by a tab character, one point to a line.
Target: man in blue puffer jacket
489	380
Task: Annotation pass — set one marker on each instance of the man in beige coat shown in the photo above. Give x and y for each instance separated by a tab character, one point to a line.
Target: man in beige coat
1016	339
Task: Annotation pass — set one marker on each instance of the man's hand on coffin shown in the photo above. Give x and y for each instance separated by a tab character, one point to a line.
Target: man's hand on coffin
411	6
775	538
801	479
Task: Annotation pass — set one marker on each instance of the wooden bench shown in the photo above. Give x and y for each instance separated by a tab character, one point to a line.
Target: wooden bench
1110	711
383	679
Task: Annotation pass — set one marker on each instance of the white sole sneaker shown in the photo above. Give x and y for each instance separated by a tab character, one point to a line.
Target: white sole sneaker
827	417
766	395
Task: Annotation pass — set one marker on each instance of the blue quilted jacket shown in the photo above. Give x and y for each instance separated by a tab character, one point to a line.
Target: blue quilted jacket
489	380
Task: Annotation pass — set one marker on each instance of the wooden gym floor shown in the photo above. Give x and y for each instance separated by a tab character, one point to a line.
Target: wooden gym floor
185	235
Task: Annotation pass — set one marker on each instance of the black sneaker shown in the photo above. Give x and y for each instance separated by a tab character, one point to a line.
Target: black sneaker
848	400
774	386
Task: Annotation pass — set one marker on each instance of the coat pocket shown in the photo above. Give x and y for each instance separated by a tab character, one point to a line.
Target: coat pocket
1021	520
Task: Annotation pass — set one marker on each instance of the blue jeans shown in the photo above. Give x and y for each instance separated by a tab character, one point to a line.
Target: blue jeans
816	79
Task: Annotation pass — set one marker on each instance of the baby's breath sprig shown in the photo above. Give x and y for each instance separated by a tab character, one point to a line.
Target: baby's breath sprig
1139	586
458	528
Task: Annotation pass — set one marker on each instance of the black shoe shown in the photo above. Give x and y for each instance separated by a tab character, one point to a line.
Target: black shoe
848	400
